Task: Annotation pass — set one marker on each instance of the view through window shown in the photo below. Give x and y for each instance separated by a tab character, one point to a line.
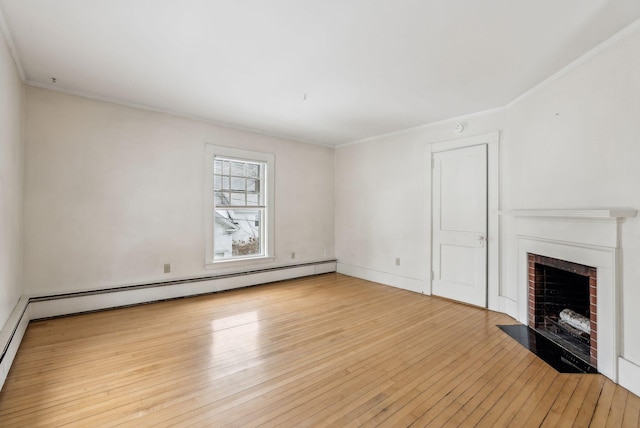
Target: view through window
239	204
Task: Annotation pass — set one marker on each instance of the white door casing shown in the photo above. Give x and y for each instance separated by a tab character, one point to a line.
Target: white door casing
459	224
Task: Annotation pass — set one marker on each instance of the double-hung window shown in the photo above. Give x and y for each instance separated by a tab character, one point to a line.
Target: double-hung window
239	204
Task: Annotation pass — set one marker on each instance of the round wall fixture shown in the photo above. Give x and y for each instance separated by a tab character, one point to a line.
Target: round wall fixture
459	128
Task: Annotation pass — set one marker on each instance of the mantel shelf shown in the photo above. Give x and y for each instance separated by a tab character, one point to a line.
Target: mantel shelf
598	213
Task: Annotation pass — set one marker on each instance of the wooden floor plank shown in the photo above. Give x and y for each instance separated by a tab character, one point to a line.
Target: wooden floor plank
631	416
577	399
618	404
520	391
554	414
447	401
328	350
605	399
430	393
493	392
588	407
533	402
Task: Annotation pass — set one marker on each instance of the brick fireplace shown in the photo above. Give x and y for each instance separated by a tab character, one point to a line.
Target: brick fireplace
556	285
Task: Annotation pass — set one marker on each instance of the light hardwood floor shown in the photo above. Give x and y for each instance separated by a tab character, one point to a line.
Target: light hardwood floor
319	351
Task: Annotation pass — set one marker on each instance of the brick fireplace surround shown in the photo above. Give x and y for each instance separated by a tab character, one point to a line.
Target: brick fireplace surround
537	291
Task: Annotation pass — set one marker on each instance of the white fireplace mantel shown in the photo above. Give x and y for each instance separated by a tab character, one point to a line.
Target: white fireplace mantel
589	237
593	213
596	227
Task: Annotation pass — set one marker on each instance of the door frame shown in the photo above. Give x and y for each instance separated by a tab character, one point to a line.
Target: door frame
492	140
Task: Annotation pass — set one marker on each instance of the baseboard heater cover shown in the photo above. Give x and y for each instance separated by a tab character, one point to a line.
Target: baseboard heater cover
11	336
46	307
174	282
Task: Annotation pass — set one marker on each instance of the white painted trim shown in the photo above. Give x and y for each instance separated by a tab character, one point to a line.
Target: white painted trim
492	140
8	38
403	282
507	306
14	318
629	375
11	336
606	213
269	159
577	231
428	203
325	268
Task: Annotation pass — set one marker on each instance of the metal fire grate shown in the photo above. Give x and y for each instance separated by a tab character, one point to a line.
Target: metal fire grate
561	326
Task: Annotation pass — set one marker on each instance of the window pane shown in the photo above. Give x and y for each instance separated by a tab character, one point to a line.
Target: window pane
253	199
237	199
221	198
238	169
220	182
237	184
253	170
233	188
238	233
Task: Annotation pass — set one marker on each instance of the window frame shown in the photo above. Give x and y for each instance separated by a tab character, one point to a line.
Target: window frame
229	153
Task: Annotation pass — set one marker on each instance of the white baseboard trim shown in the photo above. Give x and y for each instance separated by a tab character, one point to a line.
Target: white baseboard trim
509	307
11	336
410	284
41	307
629	375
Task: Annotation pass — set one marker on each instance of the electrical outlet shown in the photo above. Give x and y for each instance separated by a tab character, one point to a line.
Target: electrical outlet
397	261
325	252
167	267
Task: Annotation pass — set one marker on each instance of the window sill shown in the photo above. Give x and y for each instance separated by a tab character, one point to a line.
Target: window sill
223	264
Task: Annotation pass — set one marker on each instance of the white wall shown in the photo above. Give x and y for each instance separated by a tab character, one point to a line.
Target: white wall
11	182
380	211
113	193
571	143
381	203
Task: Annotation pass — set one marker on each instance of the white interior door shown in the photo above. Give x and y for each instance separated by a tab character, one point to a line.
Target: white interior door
459	224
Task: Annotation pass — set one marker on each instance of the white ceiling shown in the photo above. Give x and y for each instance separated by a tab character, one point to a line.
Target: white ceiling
322	71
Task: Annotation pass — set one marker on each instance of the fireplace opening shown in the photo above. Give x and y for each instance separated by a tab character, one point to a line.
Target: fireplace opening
562	305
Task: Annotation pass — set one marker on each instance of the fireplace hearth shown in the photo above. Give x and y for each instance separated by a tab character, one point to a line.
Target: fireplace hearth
549	351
